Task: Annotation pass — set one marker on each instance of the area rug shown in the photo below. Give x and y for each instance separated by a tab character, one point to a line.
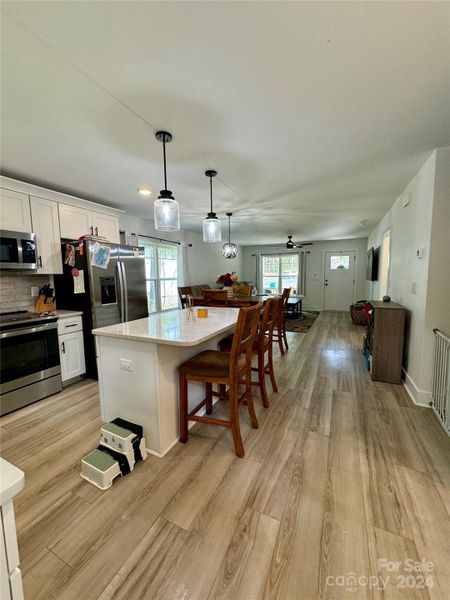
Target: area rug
301	323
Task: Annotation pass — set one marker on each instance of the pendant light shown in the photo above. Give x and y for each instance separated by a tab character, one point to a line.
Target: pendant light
229	250
212	227
167	209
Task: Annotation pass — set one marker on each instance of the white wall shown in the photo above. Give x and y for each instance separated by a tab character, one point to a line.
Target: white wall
315	266
421	285
202	262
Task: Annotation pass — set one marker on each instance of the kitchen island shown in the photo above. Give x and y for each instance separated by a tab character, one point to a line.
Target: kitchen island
137	368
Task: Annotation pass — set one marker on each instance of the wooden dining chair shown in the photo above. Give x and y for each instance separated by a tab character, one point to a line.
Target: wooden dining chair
242	289
279	332
215	297
184	291
225	369
262	346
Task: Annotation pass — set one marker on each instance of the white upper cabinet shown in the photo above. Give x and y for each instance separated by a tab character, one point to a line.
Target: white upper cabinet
45	221
15	211
106	226
74	221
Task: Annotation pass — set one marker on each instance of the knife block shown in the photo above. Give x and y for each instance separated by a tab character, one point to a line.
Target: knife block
44	304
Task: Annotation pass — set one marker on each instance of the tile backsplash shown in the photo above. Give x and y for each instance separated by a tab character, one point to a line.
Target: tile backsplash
15	289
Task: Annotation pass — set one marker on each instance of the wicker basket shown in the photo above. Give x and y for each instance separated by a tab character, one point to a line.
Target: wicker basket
358	315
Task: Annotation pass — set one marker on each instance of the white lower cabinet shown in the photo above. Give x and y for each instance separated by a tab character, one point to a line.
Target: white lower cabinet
71	348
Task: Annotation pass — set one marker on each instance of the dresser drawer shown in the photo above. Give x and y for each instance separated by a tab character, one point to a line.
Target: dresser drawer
69	324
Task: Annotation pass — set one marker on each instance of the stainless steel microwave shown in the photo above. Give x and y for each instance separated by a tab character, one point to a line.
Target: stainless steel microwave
17	250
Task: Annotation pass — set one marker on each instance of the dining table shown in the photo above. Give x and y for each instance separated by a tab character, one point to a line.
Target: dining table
234	300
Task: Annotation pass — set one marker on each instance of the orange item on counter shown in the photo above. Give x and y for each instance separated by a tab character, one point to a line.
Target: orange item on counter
202	313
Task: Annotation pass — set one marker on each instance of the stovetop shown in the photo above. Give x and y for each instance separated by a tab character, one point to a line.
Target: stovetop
23	317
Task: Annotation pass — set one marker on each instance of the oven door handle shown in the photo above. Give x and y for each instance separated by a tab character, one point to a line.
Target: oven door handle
27	330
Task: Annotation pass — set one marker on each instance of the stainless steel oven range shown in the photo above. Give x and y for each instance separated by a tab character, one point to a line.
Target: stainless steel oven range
30	367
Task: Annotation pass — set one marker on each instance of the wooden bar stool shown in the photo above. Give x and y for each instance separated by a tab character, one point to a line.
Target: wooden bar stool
262	345
279	332
223	368
183	292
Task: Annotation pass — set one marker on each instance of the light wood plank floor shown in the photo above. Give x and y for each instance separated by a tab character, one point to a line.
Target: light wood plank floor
341	474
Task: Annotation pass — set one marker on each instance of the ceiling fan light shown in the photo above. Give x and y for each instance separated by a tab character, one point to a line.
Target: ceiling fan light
212	228
289	243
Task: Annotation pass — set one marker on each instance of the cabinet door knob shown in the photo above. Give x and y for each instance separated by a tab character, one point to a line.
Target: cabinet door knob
63	347
96	231
40	262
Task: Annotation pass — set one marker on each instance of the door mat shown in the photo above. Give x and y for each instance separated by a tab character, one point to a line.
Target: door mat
301	323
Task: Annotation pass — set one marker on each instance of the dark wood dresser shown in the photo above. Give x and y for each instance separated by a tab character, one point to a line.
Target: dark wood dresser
384	341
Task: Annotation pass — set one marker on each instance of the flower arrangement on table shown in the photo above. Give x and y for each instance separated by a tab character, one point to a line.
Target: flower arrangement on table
227	279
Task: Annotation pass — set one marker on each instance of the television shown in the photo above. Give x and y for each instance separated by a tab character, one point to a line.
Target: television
373	256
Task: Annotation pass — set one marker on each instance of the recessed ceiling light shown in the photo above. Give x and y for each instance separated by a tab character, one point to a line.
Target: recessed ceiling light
144	191
363	222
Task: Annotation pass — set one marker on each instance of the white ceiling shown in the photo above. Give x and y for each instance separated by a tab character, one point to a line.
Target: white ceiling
315	114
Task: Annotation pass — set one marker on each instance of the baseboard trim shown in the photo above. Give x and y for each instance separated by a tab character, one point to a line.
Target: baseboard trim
312	308
418	396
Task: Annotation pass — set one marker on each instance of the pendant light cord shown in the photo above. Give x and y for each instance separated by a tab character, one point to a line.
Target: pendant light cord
165	173
210	191
229	230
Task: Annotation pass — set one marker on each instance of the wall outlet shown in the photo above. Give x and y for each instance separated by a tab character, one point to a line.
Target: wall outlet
126	365
34	291
413	287
420	252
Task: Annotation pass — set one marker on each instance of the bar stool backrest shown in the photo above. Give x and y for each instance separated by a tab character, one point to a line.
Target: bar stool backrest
184	291
269	319
243	338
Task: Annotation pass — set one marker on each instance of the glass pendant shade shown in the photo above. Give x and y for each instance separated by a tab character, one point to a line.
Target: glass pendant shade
229	250
212	228
166	208
167	213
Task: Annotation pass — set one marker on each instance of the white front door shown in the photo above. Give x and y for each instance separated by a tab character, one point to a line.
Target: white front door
339	280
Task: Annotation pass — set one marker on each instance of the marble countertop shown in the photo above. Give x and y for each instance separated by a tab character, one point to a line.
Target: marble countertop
173	328
12	480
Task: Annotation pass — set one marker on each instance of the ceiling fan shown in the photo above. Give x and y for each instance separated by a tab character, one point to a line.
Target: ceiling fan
290	244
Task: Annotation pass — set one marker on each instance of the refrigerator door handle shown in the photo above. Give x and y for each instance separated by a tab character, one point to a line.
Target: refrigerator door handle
121	291
125	291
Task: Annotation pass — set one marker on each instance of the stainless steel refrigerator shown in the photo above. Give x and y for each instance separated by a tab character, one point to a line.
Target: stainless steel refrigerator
113	294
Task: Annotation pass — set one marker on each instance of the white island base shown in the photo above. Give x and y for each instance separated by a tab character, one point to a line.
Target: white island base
146	390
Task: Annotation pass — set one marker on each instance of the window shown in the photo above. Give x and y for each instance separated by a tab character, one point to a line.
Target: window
279	271
161	275
339	262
